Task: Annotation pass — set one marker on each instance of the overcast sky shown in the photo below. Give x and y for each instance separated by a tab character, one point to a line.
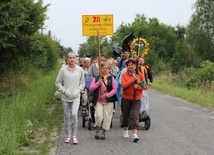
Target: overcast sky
65	16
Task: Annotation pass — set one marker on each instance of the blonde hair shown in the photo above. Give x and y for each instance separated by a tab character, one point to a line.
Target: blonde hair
87	59
71	53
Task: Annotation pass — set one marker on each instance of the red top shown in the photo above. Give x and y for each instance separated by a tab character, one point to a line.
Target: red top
128	86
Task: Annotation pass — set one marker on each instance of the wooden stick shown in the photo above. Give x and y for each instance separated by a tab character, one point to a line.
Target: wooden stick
136	71
99	61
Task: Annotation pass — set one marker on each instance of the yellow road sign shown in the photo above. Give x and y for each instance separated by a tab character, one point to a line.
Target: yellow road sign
91	24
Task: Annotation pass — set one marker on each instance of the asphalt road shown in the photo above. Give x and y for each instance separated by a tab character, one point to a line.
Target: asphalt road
177	128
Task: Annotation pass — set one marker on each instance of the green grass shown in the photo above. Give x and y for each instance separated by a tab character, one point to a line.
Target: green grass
196	96
26	110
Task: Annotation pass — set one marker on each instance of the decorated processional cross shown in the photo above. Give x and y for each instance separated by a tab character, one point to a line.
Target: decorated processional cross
141	45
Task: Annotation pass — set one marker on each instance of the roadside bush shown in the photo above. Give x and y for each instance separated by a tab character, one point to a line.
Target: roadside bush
43	52
20	20
161	66
192	78
202	75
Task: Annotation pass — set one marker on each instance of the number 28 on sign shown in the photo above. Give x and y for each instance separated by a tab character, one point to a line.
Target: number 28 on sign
93	23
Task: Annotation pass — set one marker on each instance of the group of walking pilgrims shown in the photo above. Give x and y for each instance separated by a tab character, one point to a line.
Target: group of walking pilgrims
115	82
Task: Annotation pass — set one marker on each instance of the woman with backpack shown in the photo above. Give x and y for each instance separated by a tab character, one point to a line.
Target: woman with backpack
104	95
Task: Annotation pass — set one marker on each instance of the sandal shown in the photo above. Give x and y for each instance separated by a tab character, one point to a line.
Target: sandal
103	137
97	135
68	139
74	140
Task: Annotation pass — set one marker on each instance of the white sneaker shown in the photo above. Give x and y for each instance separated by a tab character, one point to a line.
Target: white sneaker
126	134
136	138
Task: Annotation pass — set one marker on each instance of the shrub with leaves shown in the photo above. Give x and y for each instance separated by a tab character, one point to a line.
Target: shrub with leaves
202	75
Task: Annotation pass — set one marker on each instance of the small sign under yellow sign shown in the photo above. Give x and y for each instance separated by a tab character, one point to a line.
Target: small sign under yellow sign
91	24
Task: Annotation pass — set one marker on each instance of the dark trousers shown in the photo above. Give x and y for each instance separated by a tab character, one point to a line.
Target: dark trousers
130	113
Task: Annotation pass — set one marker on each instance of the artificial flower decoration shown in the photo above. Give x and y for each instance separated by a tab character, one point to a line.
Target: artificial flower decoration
139	42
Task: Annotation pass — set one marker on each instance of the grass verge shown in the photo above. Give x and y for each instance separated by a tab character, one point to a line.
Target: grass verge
196	96
28	117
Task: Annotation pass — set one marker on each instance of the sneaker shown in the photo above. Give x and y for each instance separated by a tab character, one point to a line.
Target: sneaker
126	134
136	138
68	139
74	140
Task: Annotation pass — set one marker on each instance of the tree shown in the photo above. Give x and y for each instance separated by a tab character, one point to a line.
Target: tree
22	47
162	39
122	31
82	49
180	58
200	32
91	46
19	21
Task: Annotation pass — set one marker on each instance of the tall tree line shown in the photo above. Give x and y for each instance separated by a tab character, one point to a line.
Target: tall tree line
171	48
22	45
